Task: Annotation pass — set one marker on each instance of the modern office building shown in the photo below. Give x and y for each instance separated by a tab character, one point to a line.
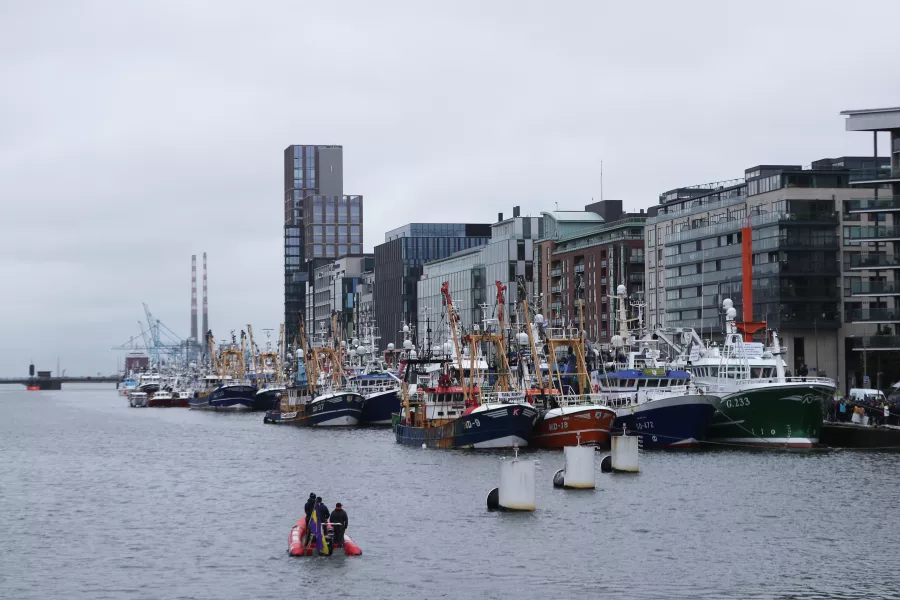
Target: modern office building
693	256
871	265
472	275
587	255
400	261
320	222
333	293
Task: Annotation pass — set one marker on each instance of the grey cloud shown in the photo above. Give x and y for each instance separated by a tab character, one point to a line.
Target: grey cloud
135	134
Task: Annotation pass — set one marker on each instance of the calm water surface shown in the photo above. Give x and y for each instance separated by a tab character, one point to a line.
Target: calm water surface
101	501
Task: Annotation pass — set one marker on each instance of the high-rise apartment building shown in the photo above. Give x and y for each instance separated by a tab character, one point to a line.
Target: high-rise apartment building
400	261
871	260
320	222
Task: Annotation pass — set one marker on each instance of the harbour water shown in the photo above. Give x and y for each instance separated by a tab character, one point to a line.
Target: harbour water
101	501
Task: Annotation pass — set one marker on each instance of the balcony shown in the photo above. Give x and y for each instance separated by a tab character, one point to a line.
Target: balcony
556	273
579	268
875	342
873	233
875	315
874	288
636	259
880	175
555	289
873	262
603	264
867	205
636	278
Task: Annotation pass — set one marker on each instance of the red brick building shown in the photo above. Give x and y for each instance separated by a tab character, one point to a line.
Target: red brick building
585	255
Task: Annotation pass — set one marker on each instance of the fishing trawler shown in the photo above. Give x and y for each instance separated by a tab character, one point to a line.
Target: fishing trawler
758	405
571	413
320	396
231	392
465	407
652	399
267	370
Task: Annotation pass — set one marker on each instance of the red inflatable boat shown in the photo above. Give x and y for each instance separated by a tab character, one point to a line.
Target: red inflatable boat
296	548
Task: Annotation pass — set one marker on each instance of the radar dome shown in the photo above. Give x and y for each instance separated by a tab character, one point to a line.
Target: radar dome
522	338
355	342
299	353
727	303
343	343
731	313
406	329
617	341
407	344
539	319
413	355
390	346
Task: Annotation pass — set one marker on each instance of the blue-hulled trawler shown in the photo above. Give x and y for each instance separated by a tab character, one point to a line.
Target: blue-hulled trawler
231	392
460	404
652	399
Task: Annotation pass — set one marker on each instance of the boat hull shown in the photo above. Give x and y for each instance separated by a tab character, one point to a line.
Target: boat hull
676	422
772	415
227	399
338	409
502	427
571	425
267	399
379	407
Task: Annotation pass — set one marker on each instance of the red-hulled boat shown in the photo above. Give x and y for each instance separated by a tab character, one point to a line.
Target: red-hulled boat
297	548
574	423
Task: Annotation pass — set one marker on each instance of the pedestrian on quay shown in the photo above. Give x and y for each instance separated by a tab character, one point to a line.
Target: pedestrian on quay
842	416
803	371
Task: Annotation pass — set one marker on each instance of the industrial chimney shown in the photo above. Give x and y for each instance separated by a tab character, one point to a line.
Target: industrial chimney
205	306
194	297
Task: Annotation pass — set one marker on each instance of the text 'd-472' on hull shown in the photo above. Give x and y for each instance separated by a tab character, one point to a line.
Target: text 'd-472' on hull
494	425
587	425
673	422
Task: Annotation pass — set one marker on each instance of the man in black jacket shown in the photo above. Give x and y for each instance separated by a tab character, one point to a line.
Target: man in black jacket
339	516
308	508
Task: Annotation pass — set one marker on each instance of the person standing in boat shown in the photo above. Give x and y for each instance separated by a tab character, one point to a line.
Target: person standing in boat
339	517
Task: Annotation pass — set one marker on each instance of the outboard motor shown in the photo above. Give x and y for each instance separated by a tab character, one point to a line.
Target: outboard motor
329	534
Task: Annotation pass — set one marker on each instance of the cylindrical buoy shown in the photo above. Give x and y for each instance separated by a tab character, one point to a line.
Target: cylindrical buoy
625	453
559	479
517	488
579	471
606	464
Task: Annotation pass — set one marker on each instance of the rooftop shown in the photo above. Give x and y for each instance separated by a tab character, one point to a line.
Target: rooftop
872	119
563	216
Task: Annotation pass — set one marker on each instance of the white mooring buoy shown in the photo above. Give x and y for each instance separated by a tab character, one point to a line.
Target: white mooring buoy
517	485
625	453
580	472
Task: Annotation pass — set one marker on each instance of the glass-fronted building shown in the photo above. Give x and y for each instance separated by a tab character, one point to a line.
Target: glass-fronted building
508	257
400	261
320	222
694	256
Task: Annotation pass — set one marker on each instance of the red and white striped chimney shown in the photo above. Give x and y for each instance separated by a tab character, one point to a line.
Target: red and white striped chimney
194	297
205	306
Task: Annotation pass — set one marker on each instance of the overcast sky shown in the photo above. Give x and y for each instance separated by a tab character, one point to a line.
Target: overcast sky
134	134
